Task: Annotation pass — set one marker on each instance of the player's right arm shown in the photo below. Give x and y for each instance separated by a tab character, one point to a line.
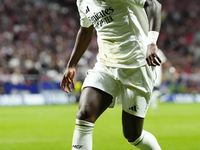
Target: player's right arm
83	39
153	11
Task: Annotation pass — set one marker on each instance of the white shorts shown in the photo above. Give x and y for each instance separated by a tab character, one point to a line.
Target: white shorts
131	88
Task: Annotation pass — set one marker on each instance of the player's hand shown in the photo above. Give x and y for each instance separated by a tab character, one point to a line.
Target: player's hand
68	79
151	55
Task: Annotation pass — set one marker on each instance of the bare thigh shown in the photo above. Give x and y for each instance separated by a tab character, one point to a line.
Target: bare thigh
132	126
93	102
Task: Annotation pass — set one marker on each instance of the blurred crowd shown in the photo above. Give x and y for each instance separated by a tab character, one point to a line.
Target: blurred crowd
37	37
180	41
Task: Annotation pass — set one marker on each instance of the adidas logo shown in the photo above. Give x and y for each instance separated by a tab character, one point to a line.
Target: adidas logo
133	108
87	10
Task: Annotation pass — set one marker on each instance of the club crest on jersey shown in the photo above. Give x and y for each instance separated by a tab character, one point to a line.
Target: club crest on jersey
103	1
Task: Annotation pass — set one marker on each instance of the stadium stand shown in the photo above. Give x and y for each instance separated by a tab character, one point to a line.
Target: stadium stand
36	39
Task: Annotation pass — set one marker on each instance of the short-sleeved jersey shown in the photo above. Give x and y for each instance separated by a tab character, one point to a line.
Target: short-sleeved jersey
122	28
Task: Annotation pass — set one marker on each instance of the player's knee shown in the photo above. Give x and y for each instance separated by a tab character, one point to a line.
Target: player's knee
85	114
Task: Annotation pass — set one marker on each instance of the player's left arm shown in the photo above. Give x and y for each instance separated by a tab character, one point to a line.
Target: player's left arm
153	11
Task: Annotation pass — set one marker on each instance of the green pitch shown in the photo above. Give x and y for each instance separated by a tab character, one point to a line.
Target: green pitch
176	126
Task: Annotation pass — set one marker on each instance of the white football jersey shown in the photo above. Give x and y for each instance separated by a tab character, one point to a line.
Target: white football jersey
122	28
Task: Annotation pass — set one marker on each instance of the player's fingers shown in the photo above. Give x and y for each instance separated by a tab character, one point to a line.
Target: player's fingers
69	80
65	90
156	61
63	85
148	62
160	61
153	63
69	88
152	60
73	84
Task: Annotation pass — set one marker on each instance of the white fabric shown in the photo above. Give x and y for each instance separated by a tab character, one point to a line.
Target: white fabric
83	135
122	28
154	99
152	37
158	80
146	141
130	88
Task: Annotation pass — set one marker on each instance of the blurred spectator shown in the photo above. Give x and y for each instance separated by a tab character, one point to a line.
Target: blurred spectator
36	38
180	41
16	77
